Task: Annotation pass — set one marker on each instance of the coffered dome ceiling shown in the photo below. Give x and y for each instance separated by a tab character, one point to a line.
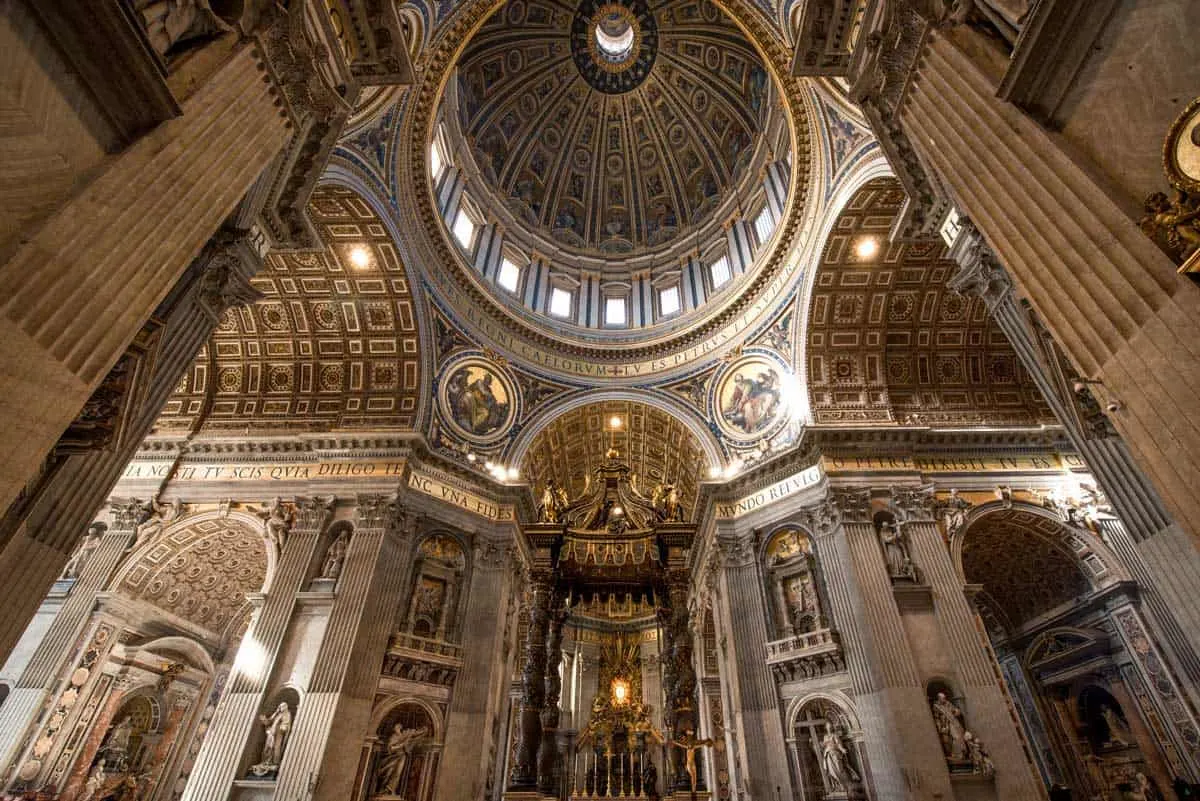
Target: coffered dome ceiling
612	126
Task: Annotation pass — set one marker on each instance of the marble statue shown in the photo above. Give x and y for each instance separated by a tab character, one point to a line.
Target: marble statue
1116	726
161	515
95	783
1173	223
895	549
116	745
980	761
171	22
956	509
277	726
949	721
79	559
278	523
394	763
835	764
336	556
1144	789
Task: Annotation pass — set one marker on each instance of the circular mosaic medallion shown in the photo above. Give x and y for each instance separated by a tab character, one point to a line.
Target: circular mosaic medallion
1181	152
478	400
751	400
614	43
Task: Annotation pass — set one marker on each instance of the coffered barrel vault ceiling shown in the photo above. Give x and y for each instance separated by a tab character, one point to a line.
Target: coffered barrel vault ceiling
656	446
332	345
888	342
606	157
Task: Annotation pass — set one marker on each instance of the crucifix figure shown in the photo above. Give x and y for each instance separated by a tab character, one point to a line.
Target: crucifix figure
690	744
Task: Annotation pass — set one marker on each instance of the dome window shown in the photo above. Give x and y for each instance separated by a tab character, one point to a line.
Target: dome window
560	302
719	272
764	225
437	163
668	301
614	311
464	229
509	276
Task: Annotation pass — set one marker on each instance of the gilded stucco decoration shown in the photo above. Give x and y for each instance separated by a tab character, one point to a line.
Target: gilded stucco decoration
889	343
658	448
333	343
604	154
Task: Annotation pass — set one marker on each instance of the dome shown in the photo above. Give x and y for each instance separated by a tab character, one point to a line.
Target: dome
610	128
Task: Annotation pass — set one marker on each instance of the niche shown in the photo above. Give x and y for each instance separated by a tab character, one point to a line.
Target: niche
270	735
793	579
404	755
437	589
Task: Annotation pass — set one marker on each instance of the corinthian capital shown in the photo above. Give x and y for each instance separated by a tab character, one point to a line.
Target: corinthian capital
737	550
980	273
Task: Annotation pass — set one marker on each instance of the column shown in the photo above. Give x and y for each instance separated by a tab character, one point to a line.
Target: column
848	616
41	674
336	706
1109	296
548	750
78	290
480	689
223	747
754	702
533	687
1160	555
899	701
39	534
989	715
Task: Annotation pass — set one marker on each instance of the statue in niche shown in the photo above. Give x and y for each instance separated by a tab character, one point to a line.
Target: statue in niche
278	523
116	744
336	556
835	763
1146	789
948	719
277	726
1117	730
172	22
161	515
980	761
394	763
95	783
895	550
79	559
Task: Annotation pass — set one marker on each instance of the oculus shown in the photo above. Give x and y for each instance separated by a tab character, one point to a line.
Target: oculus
614	44
477	399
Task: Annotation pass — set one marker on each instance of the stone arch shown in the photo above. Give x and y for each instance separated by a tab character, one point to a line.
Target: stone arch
1029	561
387	706
201	568
836	698
186	647
889	343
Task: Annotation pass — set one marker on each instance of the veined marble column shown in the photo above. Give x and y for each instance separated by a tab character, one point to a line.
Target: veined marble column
237	711
1110	297
40	675
754	702
77	292
533	685
322	753
899	699
1162	557
479	690
38	537
978	680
